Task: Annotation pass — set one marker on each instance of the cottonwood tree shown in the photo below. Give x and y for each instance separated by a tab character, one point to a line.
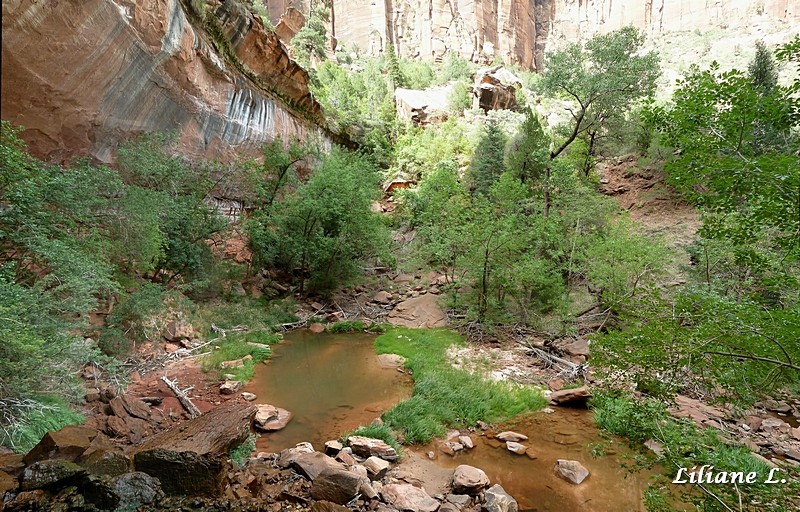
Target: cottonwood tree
602	79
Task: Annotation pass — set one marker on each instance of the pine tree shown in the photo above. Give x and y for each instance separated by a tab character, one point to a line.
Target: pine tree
487	162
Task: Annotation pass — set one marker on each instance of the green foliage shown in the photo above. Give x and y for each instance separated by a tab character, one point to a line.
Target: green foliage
737	348
233	347
326	226
346	326
487	162
456	68
604	78
396	76
359	104
167	202
528	151
24	422
763	70
460	98
444	396
621	262
239	454
375	431
418	152
312	39
418	74
686	446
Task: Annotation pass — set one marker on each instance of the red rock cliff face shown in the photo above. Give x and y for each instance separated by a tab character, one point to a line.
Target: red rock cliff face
518	31
84	75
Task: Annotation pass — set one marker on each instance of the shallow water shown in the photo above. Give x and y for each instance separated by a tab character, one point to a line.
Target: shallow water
331	382
564	434
334	383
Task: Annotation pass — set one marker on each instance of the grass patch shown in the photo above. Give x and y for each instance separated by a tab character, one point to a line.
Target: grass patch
445	396
354	326
686	445
34	420
382	432
241	453
255	314
235	347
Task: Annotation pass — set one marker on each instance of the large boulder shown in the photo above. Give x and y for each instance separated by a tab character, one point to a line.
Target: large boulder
421	312
469	480
185	473
423	107
571	470
311	465
368	446
406	497
136	489
192	458
496	499
270	418
51	474
495	89
68	444
336	485
575	396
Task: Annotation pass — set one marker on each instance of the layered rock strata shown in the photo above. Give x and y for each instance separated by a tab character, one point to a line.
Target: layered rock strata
83	75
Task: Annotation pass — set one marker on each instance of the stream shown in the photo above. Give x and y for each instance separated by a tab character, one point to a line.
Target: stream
334	382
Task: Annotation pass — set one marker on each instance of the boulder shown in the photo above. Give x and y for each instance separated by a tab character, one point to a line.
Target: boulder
333	447
376	467
51	474
185	472
382	297
192	458
571	470
336	485
496	499
136	407
248	396
286	456
7	483
406	497
230	387
178	331
575	396
136	489
310	465
459	500
467	442
367	447
517	448
236	363
316	328
511	436
270	418
421	312
102	458
422	107
469	480
68	444
495	89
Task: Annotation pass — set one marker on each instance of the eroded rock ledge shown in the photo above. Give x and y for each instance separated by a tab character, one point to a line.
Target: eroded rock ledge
83	75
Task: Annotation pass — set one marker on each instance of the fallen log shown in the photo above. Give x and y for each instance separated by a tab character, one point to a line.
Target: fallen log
182	398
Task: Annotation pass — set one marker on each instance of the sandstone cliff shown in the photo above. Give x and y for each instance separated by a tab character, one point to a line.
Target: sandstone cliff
83	75
518	31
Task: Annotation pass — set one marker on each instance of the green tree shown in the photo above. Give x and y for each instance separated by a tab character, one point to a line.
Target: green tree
602	79
487	162
528	155
311	40
396	77
326	227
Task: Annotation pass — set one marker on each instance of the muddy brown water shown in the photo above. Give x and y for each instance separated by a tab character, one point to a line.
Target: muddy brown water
334	383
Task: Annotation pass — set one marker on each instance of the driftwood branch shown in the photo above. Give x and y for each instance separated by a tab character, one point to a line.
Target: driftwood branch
182	398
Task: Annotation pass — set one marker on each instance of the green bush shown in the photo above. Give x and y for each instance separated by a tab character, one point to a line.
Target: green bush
239	454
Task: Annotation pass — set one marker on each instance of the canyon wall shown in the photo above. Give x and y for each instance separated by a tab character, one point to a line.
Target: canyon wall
84	75
518	31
